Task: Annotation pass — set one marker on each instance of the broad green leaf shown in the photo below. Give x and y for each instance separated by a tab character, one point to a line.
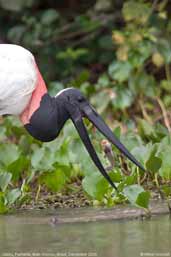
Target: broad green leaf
124	98
105	42
72	54
166	84
8	153
144	83
167	190
95	185
136	10
143	199
137	196
16	33
139	54
120	71
56	179
5	178
3	207
103	81
131	140
80	80
49	16
145	129
132	192
83	158
165	169
101	101
18	166
116	175
43	159
141	153
15	5
164	48
54	87
13	195
153	163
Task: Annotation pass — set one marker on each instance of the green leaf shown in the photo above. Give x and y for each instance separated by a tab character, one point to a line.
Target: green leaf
143	83
8	153
16	33
101	101
131	140
55	87
166	84
137	196
15	5
72	54
153	163
3	207
105	42
103	81
143	200
95	185
139	54
141	153
5	178
145	129
165	169
132	192
167	190
55	180
83	158
81	79
120	71
17	167
49	16
116	175
43	159
135	10
164	48
13	195
124	98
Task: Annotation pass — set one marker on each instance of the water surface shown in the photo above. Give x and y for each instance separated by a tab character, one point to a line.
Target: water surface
32	234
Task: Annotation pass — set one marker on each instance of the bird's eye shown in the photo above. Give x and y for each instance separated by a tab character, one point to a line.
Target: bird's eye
80	99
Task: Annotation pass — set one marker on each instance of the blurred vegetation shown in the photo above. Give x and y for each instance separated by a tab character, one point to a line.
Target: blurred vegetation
118	53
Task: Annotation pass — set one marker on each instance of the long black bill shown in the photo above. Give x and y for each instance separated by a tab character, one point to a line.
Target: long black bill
78	122
94	117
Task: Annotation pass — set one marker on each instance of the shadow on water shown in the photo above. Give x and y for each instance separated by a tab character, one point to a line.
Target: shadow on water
30	234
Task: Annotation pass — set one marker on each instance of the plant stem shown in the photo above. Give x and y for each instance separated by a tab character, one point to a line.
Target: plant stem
144	112
164	112
168	204
167	71
138	177
157	185
37	193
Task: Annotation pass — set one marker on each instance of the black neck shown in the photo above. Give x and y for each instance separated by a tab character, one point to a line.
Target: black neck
48	120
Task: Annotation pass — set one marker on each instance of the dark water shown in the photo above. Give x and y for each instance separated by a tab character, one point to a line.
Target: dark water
35	236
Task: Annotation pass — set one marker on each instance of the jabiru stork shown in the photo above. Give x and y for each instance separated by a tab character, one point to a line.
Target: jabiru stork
23	93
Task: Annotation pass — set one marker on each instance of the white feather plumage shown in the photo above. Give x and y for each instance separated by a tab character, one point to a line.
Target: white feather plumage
18	77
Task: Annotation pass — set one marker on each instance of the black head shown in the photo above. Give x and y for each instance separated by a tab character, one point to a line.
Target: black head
72	97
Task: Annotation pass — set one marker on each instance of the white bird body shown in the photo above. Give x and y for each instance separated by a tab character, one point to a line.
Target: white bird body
18	77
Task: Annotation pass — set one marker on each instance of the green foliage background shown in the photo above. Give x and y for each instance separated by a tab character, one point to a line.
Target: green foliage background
118	53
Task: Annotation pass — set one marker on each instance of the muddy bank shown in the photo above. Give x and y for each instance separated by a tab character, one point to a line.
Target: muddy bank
89	214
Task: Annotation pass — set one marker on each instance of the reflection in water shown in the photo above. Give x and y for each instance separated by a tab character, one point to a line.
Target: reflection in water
106	239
